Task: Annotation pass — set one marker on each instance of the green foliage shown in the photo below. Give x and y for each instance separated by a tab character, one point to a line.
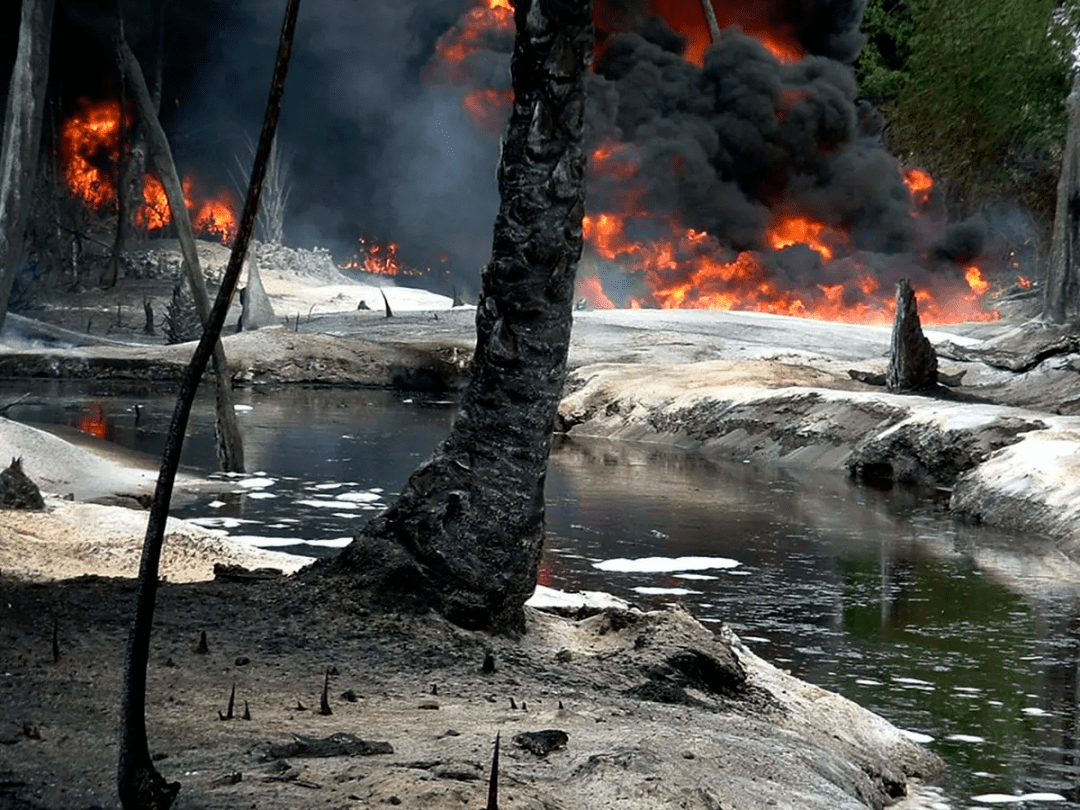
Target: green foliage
974	89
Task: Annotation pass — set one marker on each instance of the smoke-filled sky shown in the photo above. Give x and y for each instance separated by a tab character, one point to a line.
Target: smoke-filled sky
717	141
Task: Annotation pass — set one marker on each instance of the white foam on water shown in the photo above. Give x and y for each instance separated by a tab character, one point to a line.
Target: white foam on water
911	681
242	408
256	483
868	682
665	591
260	541
916	737
698	577
333	542
345	515
216	504
1009	798
220	522
332	503
261	496
1035	711
658	565
359	497
968	738
331	485
966	689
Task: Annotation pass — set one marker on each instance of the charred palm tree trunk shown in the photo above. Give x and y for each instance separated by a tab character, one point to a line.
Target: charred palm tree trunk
22	137
465	536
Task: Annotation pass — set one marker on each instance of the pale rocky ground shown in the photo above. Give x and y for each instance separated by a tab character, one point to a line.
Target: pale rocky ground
757	387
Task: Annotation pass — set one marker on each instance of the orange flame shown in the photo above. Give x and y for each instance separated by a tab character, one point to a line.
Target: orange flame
919	184
794	230
94	422
690	270
90	142
379	258
1024	282
974	277
467	36
593	292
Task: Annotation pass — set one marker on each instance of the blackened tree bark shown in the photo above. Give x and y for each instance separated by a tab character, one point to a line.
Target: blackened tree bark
912	360
22	137
1061	297
229	443
465	536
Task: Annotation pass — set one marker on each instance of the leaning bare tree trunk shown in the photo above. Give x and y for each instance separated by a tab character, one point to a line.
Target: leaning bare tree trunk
912	360
133	152
710	18
230	446
1062	294
465	536
22	137
140	785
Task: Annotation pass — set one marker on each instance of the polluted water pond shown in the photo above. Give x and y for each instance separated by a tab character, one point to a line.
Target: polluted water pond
937	626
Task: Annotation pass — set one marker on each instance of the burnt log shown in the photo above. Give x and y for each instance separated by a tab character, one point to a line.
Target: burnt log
465	536
22	137
912	361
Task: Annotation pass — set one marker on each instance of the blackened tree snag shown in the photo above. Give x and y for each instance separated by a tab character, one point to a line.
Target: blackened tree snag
465	536
22	137
229	444
133	145
1061	297
912	361
140	785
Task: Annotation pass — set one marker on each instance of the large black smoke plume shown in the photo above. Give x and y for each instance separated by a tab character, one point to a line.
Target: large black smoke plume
383	146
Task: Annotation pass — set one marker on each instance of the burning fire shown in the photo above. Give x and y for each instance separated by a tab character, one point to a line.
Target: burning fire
90	146
379	258
688	269
671	265
467	37
687	17
93	422
919	185
794	230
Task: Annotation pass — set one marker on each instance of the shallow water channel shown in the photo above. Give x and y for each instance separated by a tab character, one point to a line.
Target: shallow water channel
957	634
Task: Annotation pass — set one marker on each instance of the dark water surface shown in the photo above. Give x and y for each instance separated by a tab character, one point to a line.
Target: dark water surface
954	632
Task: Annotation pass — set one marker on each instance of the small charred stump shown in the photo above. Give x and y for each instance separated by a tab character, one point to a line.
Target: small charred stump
912	361
17	491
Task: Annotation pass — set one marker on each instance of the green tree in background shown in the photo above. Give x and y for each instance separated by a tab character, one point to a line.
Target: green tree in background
974	90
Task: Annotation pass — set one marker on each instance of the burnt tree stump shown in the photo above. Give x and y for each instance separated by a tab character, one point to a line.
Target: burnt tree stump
17	491
912	360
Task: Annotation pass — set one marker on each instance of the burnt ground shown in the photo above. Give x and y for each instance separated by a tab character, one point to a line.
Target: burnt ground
651	710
